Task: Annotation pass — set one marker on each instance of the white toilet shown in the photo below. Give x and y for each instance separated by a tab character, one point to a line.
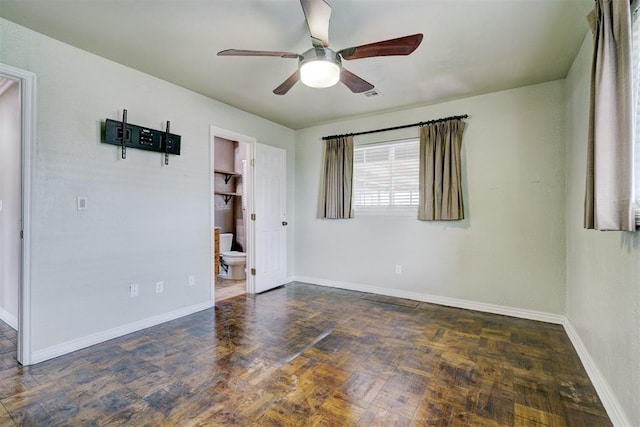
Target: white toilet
235	261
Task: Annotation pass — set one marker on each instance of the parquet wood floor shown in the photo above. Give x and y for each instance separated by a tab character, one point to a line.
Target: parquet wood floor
308	355
227	288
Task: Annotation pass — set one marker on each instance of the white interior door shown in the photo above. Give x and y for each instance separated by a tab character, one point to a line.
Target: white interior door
270	172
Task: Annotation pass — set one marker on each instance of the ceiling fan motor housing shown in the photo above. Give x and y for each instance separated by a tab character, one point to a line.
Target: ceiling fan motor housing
320	67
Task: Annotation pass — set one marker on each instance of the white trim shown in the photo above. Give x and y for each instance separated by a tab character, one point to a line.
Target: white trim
212	217
9	318
100	337
410	211
608	398
234	136
27	81
434	299
250	186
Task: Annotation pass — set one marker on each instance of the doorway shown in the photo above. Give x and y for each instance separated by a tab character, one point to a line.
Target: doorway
265	215
10	216
231	201
17	130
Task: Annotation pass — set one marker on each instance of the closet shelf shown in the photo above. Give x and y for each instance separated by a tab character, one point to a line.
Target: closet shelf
227	174
226	195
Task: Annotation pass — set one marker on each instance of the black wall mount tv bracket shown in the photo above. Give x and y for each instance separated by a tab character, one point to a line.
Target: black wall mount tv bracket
132	136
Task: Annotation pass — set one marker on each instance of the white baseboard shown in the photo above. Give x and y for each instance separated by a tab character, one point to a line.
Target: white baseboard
80	343
8	318
608	398
434	299
610	402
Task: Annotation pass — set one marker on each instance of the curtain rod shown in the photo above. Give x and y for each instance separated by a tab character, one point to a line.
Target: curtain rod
444	119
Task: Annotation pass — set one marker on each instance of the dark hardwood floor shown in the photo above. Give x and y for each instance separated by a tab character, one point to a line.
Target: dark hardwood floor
308	355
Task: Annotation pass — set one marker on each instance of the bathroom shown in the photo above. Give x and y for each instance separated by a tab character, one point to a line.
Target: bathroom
230	217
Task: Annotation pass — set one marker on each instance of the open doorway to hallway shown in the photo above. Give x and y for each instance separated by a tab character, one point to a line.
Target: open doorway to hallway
10	216
231	192
26	87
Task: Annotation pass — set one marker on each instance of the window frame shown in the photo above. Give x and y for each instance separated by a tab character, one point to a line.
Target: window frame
388	210
635	57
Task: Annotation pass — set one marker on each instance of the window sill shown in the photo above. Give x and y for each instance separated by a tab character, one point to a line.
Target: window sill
412	211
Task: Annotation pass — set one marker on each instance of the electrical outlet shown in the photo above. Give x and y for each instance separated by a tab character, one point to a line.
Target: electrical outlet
81	203
398	269
159	287
134	290
192	280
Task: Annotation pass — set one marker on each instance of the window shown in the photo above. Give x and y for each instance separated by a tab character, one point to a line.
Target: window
636	98
385	177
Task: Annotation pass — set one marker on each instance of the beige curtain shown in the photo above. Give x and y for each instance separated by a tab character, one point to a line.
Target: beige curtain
336	195
440	183
609	188
440	171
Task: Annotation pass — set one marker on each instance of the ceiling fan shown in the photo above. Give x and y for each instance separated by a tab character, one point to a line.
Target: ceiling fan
320	66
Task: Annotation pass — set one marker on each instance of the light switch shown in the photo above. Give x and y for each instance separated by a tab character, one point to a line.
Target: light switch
0	205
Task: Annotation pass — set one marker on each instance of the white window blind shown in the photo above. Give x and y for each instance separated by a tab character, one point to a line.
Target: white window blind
385	177
636	100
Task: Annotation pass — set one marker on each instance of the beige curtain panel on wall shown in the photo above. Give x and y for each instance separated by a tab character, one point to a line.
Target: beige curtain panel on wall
441	171
336	195
609	187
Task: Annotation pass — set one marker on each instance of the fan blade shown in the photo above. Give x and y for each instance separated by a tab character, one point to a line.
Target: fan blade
355	83
317	13
400	46
240	52
287	84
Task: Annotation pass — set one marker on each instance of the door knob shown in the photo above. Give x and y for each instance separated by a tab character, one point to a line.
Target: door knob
284	222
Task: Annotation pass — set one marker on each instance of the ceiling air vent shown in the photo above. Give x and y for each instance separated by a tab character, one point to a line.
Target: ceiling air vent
372	93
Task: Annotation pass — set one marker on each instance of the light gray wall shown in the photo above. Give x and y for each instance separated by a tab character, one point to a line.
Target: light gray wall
10	177
603	268
510	249
145	221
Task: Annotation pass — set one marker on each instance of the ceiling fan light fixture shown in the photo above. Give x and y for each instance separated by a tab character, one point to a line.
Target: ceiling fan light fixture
320	74
320	68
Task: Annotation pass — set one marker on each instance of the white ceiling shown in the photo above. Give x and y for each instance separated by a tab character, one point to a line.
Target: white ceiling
470	47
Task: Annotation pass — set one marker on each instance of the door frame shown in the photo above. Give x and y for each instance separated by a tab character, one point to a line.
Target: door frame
214	132
27	82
